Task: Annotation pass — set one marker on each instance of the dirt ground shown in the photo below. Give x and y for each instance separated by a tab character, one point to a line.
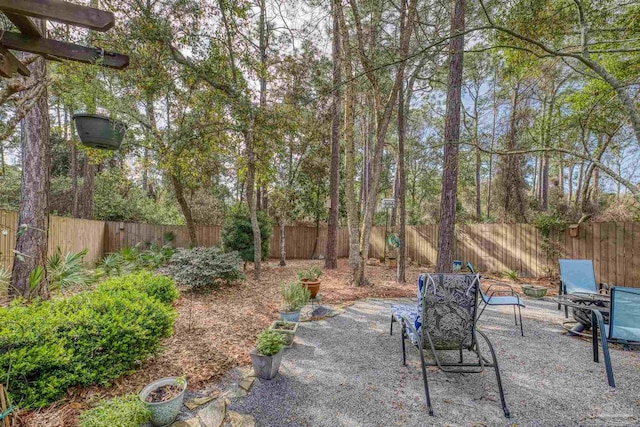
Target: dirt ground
215	330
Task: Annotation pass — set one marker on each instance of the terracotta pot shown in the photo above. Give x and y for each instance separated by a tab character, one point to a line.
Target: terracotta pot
313	287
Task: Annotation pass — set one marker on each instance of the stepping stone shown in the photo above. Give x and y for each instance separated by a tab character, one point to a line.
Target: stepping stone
213	414
247	383
240	420
199	401
192	422
234	393
246	371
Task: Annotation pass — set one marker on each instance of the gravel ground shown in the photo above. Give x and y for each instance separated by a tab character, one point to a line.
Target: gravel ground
346	371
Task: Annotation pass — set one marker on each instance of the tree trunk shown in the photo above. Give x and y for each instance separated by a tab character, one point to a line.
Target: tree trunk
353	220
331	260
493	139
251	201
85	203
283	252
383	119
400	196
33	217
178	188
446	229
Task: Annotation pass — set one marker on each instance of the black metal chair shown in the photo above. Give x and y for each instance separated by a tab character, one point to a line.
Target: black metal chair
623	327
448	322
500	294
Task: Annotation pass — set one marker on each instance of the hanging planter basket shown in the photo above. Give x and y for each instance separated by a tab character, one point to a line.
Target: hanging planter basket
100	132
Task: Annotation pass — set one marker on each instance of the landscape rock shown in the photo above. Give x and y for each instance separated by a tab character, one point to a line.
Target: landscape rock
234	393
239	420
199	401
192	422
213	414
247	383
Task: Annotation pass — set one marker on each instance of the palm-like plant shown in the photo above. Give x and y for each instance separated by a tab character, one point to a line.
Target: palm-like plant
68	270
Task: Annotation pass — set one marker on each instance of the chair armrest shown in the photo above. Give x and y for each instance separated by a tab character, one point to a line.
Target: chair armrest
409	325
604	287
501	285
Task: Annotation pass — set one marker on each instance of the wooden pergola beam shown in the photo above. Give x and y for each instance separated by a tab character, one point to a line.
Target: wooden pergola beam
63	50
24	24
9	65
61	11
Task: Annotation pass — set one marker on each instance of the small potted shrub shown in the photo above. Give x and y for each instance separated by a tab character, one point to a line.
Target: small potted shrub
267	356
286	329
294	297
311	279
164	399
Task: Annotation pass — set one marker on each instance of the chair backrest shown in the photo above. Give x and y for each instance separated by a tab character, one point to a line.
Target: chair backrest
449	309
625	314
577	275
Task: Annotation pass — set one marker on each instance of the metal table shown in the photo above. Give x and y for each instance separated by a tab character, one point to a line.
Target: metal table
582	304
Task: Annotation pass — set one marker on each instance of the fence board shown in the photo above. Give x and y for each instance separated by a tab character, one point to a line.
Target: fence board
613	247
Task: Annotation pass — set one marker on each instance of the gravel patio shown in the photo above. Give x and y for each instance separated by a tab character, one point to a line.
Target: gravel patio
346	371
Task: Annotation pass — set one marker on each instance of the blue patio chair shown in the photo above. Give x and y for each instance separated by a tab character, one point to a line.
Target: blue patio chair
577	276
399	310
446	322
511	298
623	327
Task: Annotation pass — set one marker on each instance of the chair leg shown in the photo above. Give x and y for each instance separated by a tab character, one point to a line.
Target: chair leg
424	379
391	326
515	318
461	357
560	293
507	414
404	352
566	311
597	316
520	315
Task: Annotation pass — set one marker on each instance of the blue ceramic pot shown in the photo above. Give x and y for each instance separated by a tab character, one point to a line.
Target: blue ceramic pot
290	316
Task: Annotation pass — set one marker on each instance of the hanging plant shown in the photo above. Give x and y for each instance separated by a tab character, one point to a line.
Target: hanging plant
97	131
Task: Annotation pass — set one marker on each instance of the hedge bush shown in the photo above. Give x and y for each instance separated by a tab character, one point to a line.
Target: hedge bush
205	267
157	286
126	411
91	337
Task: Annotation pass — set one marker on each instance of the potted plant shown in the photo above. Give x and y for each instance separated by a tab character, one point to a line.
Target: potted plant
294	297
267	355
98	131
311	279
286	329
164	399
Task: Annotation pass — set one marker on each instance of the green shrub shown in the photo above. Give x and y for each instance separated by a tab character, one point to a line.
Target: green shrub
157	286
270	342
126	411
205	267
237	234
294	297
91	337
310	275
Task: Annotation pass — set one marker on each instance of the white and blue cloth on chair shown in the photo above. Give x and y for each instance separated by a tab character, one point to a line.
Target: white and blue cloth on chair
411	312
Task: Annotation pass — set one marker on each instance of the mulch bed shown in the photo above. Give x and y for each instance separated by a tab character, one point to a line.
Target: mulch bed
215	331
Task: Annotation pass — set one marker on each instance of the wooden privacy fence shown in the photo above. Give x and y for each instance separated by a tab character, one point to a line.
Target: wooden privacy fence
68	234
613	247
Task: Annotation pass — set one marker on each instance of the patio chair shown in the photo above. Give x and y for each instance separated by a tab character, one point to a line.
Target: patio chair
447	321
623	327
399	310
490	298
577	276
